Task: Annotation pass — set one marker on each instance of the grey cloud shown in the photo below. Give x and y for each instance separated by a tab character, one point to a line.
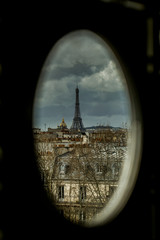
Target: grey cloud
81	48
107	108
51	111
75	50
79	70
84	60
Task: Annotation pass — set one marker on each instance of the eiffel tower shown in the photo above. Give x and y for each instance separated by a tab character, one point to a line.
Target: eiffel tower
77	123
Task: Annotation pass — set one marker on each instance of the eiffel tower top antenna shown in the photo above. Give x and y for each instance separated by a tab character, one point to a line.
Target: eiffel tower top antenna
76	83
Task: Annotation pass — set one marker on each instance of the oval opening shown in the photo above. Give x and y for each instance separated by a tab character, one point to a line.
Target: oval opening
87	129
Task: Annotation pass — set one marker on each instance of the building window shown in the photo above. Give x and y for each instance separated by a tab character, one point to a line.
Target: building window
88	168
82	194
61	192
82	216
63	168
99	168
67	169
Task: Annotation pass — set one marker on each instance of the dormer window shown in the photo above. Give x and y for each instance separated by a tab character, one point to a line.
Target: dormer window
99	168
62	168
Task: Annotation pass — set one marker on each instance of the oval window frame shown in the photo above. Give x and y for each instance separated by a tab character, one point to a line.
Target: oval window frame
129	171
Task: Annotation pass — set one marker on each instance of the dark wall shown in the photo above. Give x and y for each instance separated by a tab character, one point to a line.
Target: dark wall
28	33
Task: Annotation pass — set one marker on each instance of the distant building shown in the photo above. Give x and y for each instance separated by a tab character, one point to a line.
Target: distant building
83	180
36	130
80	168
77	124
81	171
62	125
52	130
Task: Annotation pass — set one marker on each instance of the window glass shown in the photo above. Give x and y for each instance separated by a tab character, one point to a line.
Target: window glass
86	128
61	192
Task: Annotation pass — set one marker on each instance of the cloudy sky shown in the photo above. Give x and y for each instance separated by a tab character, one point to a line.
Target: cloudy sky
84	59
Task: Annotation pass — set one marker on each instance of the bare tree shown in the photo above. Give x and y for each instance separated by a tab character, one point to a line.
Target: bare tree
82	178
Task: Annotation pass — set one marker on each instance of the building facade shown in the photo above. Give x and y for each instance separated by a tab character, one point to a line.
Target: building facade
81	176
77	124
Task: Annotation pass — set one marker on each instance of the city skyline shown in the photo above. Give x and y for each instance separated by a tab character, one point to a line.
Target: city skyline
81	58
